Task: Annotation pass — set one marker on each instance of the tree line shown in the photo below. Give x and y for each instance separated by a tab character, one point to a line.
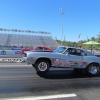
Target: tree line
80	43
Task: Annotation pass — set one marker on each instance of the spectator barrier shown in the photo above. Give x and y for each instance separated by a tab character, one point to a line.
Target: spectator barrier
11	60
10	52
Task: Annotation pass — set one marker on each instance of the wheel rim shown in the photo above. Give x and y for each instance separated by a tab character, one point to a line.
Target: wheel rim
94	70
42	66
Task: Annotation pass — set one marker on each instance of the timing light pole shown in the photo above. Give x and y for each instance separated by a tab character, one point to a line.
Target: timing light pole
62	10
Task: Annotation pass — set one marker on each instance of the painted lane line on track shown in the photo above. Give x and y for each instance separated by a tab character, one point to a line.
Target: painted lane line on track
7	66
46	97
15	65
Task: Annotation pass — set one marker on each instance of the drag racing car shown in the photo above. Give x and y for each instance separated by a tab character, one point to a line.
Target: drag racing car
64	57
45	48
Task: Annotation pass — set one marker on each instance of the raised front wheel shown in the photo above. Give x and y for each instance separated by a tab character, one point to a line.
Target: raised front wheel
42	66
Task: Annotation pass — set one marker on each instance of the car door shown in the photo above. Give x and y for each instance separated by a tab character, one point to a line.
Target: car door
71	58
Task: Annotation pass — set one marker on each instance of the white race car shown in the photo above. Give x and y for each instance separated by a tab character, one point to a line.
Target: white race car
69	57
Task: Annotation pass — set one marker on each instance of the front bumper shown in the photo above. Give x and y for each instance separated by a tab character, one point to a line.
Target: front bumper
25	59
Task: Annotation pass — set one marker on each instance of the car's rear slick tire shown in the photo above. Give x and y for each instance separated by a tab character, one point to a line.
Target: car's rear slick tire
42	66
77	70
93	69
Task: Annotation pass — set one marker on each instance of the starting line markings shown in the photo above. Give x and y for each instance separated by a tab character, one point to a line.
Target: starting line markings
46	97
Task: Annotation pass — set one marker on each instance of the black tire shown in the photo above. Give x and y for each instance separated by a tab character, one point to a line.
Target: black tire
77	70
33	65
42	66
93	69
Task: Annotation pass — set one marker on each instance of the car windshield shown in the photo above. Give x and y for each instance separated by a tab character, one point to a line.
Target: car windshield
60	49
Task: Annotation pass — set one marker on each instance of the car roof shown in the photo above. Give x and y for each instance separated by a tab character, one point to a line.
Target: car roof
71	47
86	51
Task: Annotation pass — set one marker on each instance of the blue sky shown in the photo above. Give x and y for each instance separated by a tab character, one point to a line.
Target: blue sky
81	17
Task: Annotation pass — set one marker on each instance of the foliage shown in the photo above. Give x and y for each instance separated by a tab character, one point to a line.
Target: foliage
80	43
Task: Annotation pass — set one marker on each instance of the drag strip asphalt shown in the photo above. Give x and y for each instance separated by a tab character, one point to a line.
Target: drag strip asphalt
20	81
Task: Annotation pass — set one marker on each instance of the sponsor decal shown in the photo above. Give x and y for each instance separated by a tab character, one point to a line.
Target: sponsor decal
67	63
3	52
75	62
11	60
17	52
80	63
62	63
84	63
56	62
16	48
71	64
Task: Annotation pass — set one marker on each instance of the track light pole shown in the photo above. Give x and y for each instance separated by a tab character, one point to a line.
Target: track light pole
62	10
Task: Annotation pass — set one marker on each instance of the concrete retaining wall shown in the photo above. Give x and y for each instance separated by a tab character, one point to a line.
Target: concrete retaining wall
11	60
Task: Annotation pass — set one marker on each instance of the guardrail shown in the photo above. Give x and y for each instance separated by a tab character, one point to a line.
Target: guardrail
10	52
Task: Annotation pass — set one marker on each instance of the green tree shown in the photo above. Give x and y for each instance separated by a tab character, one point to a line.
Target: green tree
93	38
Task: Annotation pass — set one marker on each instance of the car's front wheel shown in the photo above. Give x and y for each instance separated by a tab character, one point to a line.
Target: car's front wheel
93	69
42	66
